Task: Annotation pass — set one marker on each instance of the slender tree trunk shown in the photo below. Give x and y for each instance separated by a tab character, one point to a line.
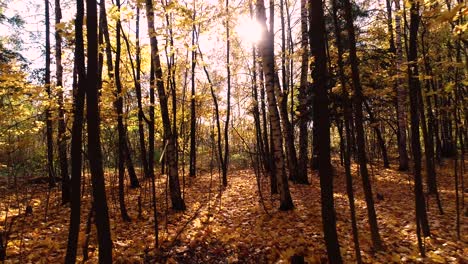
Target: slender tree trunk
134	183
224	164
391	39
261	153
269	164
171	151
290	67
348	119
217	117
433	126
319	75
401	94
120	126
48	113
283	106
414	85
171	81
216	113
141	115
193	115
263	113
429	140
94	140
302	176
151	152
256	111
272	83
428	147
62	137
358	98
76	140
380	138
314	164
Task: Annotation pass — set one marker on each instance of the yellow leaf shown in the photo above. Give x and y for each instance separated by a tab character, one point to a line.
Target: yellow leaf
435	257
395	258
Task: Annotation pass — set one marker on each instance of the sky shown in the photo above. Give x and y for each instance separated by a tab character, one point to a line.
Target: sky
33	39
211	41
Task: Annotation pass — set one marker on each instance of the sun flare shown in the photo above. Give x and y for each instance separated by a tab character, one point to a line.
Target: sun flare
248	29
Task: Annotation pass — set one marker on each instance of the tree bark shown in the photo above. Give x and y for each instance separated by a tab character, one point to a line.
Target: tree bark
76	140
94	139
348	119
48	113
141	115
415	86
431	178
193	114
62	127
288	134
319	76
357	100
171	151
261	152
303	120
272	83
122	141
134	183
266	143
401	95
224	164
151	153
380	139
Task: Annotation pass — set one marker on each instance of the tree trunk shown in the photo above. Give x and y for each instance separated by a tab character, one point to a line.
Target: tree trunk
62	127
358	97
48	113
429	141
401	95
283	106
134	183
380	138
171	151
224	164
314	164
272	83
151	153
76	140
171	85
141	115
120	126
94	140
348	119
268	155
319	75
414	85
193	115
255	110
302	176
261	152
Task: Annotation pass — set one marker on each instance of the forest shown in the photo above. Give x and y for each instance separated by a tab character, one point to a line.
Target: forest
233	131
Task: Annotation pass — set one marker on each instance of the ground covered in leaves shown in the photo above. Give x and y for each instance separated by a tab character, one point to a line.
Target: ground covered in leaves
233	225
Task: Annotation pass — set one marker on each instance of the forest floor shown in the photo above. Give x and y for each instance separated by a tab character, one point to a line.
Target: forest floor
232	226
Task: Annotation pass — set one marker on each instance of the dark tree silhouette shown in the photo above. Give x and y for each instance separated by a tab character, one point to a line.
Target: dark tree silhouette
415	86
360	136
79	90
319	75
94	138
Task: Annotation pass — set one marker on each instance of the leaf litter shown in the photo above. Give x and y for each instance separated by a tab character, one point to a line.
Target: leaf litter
231	226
